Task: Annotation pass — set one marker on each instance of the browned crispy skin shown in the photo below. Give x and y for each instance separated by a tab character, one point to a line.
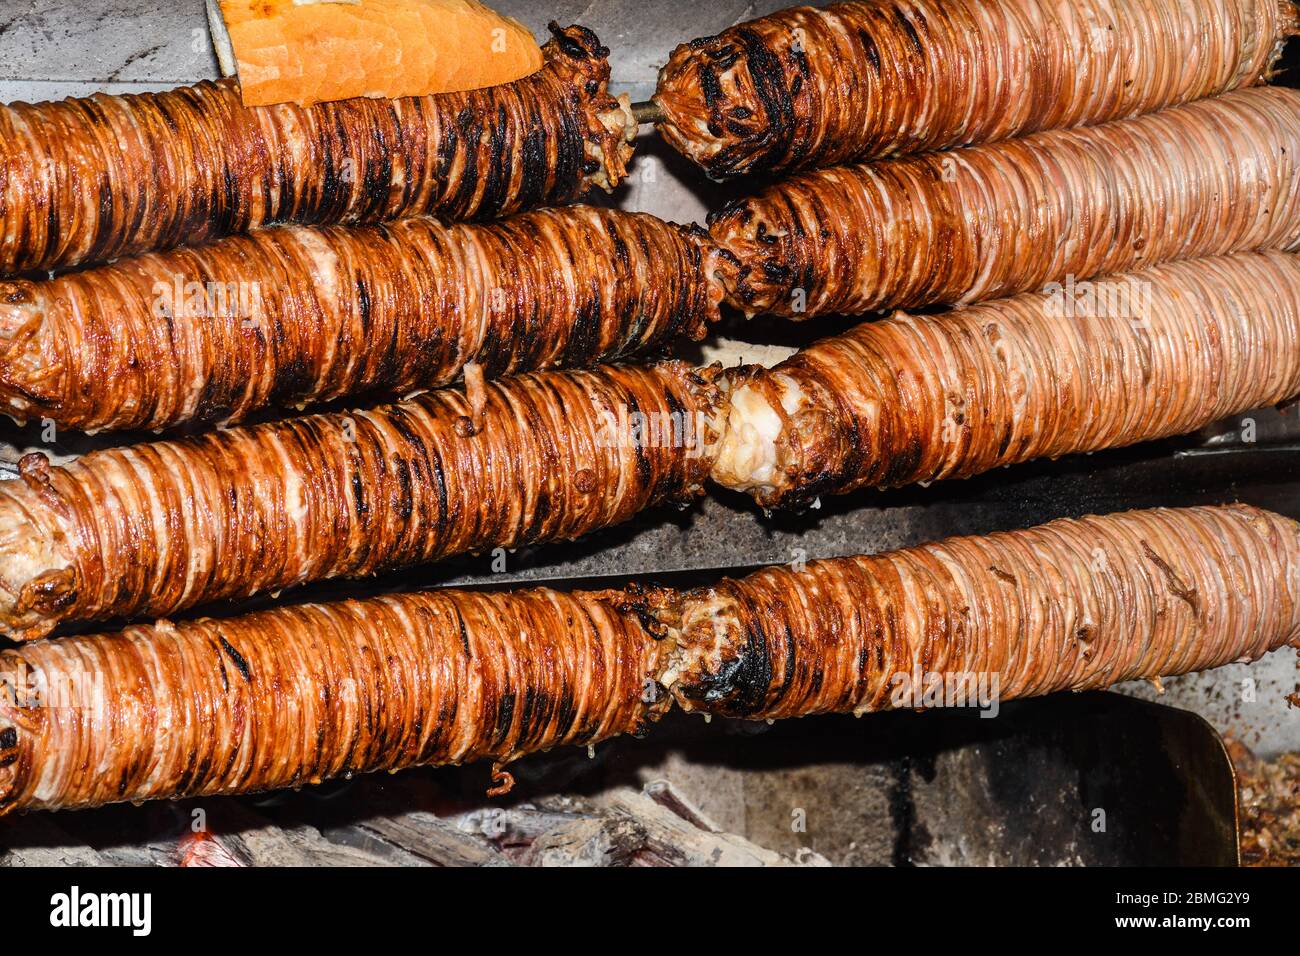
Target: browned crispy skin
854	81
302	694
1091	366
92	179
1072	605
1208	178
155	528
295	315
297	695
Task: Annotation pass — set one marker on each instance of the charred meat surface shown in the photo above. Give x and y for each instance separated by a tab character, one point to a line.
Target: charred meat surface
154	528
1208	178
1078	368
86	180
298	695
809	87
294	315
1071	605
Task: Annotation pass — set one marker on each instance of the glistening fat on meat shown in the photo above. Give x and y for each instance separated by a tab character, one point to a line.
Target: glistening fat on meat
86	180
294	315
811	87
1208	178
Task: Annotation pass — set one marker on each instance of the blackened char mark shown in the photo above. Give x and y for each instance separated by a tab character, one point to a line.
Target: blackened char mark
237	659
724	56
584	337
448	146
871	50
404	502
470	129
570	151
505	718
534	163
293	377
415	461
902	465
712	90
378	176
778	107
913	37
583	46
390	364
644	471
496	183
359	496
337	170
679	417
739	686
462	630
710	86
621	252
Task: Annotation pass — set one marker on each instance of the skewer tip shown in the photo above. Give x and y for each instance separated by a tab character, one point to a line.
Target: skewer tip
648	112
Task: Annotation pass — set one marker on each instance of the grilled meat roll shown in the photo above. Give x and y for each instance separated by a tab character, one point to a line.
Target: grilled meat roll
1207	178
298	695
85	180
1082	367
294	315
155	528
1072	605
856	81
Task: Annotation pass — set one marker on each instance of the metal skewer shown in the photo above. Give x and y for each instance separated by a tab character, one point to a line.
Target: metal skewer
648	112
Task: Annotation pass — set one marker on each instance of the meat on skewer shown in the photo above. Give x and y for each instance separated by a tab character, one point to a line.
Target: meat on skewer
1072	605
1080	368
86	180
811	87
1208	178
293	315
297	695
154	528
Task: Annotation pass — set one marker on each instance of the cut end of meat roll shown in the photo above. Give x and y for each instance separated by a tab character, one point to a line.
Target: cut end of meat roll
302	694
611	130
767	252
1072	605
766	420
713	111
30	377
38	577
